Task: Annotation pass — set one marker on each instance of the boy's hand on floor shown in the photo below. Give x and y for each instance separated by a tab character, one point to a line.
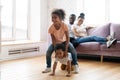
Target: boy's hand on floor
66	54
52	74
68	75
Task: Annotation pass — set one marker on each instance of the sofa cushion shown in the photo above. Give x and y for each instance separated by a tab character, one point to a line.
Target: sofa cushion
88	46
102	31
115	28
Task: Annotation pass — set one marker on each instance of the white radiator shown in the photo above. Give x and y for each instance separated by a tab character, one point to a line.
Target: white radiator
23	50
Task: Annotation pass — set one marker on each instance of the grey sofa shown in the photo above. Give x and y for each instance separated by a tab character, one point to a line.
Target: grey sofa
94	48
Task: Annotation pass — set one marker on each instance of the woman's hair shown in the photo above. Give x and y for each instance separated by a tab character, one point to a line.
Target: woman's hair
60	46
82	15
60	13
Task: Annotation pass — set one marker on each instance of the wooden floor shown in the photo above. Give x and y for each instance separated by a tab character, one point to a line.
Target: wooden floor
31	68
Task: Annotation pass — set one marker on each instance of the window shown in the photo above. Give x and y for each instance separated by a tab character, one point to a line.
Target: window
94	11
6	19
14	19
21	19
99	11
114	12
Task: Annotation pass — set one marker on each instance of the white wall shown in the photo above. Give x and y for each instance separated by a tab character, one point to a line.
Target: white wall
0	37
35	20
38	20
44	19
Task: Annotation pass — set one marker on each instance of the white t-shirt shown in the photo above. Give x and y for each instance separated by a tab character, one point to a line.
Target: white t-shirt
80	29
70	31
65	59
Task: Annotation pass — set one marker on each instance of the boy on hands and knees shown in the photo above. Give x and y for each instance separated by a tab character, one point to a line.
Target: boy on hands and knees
62	57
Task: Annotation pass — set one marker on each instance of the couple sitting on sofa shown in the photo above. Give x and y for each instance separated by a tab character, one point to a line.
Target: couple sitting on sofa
78	33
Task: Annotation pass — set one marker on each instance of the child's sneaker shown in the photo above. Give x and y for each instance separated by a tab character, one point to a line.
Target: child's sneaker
76	69
46	70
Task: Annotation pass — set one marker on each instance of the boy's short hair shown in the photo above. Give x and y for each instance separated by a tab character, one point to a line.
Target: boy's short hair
73	15
60	46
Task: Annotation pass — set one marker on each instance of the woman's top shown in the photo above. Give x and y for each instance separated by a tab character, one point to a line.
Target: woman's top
80	29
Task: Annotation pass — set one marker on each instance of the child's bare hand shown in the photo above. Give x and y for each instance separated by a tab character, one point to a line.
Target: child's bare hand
68	75
52	74
66	54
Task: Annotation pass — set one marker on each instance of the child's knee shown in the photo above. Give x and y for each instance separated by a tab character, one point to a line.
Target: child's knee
63	66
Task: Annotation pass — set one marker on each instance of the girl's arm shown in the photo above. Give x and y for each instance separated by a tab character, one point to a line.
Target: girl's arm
53	40
54	68
67	42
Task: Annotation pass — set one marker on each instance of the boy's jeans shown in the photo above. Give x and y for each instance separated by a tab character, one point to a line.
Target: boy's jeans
50	50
